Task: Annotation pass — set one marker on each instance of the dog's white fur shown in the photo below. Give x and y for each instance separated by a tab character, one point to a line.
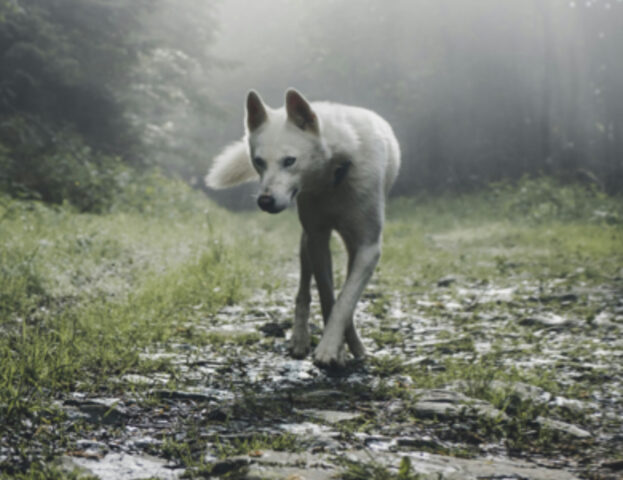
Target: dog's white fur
346	160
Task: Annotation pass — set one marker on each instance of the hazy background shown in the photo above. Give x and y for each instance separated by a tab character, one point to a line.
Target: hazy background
476	90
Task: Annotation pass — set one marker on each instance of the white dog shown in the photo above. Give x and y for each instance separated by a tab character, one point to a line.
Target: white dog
339	163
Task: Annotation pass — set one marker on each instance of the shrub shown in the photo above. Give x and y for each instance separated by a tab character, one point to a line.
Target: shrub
59	169
152	191
543	199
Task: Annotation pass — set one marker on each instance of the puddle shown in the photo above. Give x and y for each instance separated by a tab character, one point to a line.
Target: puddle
120	466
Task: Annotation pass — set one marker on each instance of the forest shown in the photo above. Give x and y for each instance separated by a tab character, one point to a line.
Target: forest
478	92
145	318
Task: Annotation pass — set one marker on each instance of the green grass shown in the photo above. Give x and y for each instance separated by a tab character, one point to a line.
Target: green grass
421	249
82	295
49	472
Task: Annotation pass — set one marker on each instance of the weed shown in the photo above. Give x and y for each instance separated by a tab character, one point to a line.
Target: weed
365	471
387	337
386	366
257	443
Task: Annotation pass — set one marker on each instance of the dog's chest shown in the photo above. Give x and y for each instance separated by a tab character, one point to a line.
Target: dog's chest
332	210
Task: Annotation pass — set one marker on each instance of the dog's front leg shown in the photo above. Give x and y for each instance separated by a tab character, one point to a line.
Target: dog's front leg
320	257
328	353
300	341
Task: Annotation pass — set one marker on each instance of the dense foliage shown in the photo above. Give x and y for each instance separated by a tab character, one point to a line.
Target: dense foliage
86	87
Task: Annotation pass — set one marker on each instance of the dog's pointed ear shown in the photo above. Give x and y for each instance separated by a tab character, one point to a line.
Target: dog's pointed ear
256	111
300	112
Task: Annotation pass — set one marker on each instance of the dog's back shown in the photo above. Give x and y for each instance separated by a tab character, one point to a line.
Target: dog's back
363	135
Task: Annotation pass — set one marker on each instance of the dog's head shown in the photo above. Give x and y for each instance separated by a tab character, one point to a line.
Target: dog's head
286	147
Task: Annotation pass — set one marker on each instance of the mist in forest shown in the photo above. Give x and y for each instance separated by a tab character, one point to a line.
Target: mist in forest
477	90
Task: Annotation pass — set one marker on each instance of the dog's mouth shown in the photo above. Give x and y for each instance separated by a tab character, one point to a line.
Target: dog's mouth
269	203
274	208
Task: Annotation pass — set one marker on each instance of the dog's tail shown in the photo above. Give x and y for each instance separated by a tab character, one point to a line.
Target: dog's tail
231	167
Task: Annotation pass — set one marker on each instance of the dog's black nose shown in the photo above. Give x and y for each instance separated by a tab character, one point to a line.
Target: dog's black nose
266	202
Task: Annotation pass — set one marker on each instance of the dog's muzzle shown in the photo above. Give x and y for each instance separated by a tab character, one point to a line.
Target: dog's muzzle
268	204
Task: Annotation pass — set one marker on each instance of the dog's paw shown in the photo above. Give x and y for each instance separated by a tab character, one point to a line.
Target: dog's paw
300	345
329	357
358	350
299	351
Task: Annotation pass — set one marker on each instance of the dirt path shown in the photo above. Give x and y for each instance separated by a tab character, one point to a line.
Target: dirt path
463	383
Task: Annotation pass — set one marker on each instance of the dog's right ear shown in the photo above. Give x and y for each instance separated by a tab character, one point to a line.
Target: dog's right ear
256	111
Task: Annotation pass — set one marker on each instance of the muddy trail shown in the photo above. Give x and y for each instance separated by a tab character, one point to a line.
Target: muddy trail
466	381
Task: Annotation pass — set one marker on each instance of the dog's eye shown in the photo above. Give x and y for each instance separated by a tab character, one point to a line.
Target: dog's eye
259	162
289	161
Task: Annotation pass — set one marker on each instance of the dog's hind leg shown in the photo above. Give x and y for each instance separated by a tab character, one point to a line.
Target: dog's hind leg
300	340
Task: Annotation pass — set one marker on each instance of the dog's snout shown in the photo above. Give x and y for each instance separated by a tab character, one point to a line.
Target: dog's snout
266	202
269	203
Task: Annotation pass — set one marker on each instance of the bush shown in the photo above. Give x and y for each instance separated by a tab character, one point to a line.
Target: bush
63	170
545	198
57	169
152	191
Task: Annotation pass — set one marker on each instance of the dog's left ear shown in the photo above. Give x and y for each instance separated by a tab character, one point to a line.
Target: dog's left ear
300	112
256	111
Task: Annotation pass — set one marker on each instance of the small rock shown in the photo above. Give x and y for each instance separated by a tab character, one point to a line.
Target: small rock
229	465
136	379
320	396
331	416
266	472
217	415
524	391
286	465
572	405
308	429
447	404
275	329
548	320
563	427
109	411
436	410
420	442
144	442
431	466
615	465
181	395
119	466
563	297
446	281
